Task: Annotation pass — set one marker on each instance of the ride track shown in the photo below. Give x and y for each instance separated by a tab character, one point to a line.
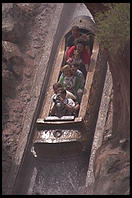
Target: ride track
64	175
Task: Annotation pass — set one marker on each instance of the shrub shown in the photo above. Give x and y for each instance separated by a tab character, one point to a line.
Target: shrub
113	26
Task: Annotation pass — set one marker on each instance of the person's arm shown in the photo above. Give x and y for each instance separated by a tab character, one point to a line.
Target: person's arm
52	110
70	95
69	60
70	52
72	108
68	106
77	106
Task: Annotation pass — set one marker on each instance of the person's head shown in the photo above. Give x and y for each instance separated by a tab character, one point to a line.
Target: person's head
75	31
62	93
76	55
56	86
74	67
66	70
80	45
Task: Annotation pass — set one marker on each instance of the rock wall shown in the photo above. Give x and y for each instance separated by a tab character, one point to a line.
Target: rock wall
112	162
23	43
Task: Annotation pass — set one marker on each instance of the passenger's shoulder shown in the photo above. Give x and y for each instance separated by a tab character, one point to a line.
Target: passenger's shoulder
71	102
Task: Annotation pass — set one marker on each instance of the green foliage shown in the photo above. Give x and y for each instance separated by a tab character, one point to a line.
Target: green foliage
113	26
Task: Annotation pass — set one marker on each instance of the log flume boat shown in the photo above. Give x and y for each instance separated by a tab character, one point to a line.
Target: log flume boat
67	134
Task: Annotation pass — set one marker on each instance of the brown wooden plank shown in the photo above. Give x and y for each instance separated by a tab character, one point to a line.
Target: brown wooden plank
89	81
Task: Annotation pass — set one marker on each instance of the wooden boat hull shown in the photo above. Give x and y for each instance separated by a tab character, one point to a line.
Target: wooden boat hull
68	136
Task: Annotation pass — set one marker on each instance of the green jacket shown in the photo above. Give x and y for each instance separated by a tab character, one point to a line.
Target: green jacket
79	84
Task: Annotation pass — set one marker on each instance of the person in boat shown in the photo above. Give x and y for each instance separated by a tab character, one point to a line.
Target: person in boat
76	71
88	39
76	57
82	48
70	82
58	86
75	34
63	106
76	61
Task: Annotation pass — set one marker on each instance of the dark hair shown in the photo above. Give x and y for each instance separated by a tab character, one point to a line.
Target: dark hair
75	28
57	86
62	91
80	41
74	63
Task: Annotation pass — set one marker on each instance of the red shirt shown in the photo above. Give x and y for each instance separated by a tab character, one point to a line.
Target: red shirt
85	54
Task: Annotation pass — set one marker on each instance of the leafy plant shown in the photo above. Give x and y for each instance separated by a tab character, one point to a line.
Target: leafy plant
113	26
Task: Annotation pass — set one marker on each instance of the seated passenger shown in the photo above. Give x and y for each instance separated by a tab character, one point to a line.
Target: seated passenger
88	38
90	41
70	82
76	57
84	53
75	34
75	70
67	80
63	106
58	86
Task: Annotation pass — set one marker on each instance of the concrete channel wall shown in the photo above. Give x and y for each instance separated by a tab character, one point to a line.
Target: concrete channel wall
62	17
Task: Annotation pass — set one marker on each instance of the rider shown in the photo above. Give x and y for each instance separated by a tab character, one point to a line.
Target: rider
57	86
63	106
70	81
84	54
